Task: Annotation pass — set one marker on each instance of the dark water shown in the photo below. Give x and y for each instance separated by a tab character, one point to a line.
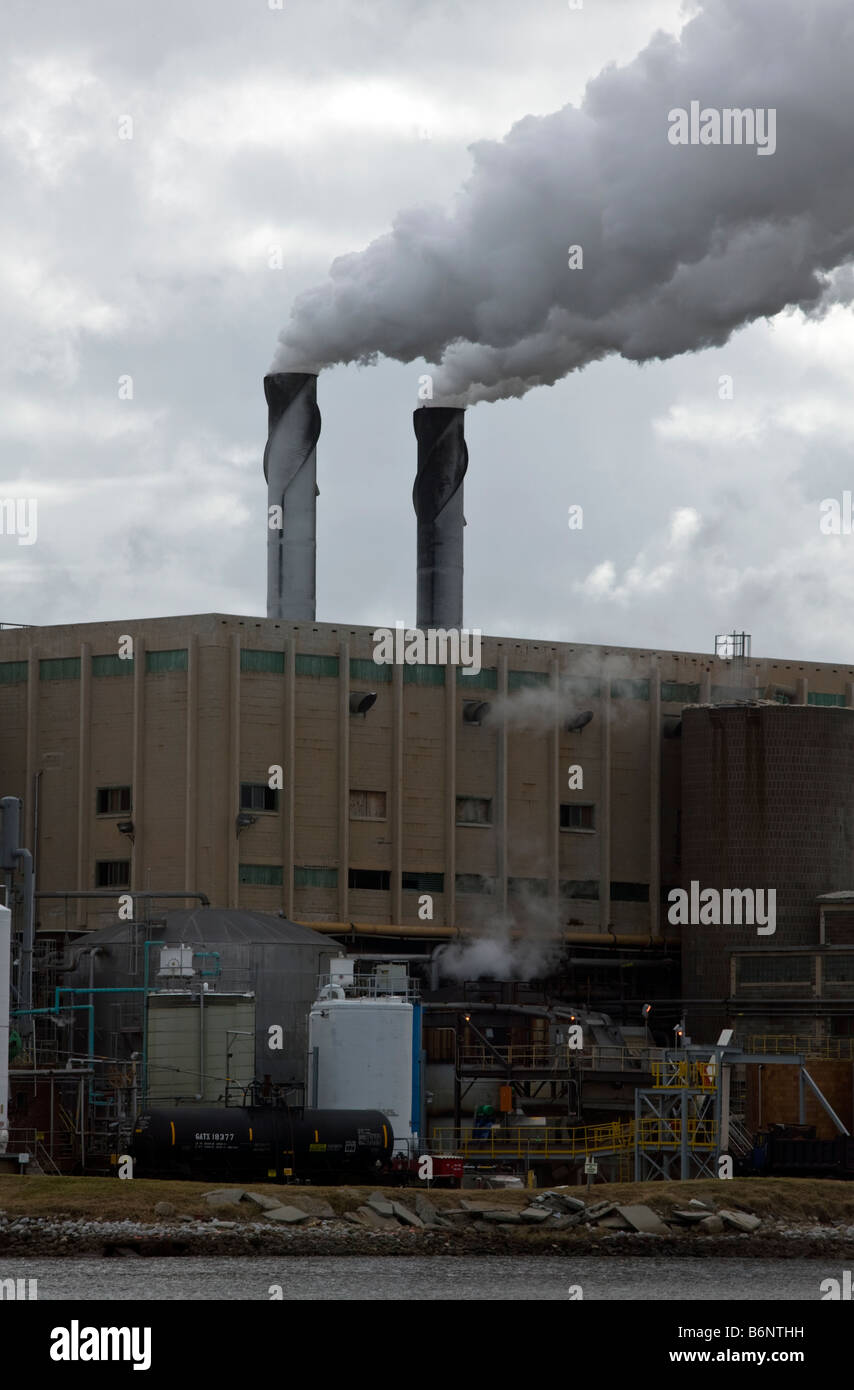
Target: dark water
321	1278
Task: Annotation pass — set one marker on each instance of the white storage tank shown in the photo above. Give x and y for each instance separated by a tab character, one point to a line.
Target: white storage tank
360	1057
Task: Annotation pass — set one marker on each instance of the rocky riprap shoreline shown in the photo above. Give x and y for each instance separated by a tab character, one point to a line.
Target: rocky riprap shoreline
553	1222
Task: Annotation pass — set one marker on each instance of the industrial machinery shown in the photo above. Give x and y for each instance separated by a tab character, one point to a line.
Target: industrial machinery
262	1143
792	1151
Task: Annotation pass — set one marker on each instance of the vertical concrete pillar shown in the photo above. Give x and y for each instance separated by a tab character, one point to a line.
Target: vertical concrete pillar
604	817
33	678
233	791
654	799
191	799
137	876
397	789
288	794
803	687
501	816
450	894
705	686
84	765
556	784
343	781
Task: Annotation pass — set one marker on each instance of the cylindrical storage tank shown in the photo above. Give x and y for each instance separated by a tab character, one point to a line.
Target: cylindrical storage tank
767	803
360	1056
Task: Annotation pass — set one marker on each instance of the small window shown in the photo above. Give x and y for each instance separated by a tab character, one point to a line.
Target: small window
474	810
112	801
423	883
475	883
262	875
367	805
112	873
629	892
375	880
576	817
257	796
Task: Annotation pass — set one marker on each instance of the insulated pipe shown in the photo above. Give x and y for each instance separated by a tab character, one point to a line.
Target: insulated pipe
290	467
5	955
438	500
575	938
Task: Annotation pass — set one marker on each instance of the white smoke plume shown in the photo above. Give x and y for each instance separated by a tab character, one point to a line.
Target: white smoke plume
681	244
525	944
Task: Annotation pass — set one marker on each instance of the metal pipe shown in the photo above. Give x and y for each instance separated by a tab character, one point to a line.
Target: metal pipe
447	933
202	993
5	966
125	893
825	1104
290	468
437	497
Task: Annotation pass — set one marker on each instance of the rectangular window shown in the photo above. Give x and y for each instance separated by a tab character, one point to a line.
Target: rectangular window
775	970
577	816
680	693
474	810
257	796
839	969
270	663
367	805
63	668
536	887
486	679
423	675
12	672
475	883
629	892
315	665
175	660
315	877
423	883
372	880
580	687
370	671
630	690
112	666
112	873
526	680
815	697
580	888
112	801
263	875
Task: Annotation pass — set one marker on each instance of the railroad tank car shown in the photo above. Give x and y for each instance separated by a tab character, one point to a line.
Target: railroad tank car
262	1144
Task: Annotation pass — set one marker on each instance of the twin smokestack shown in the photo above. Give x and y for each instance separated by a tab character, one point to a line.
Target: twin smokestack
290	467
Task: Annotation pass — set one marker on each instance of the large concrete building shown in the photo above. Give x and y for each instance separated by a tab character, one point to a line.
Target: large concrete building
447	801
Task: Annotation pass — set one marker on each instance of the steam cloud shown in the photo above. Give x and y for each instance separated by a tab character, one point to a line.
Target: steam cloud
501	953
681	244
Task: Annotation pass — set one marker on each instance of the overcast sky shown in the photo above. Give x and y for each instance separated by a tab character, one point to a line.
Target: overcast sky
296	135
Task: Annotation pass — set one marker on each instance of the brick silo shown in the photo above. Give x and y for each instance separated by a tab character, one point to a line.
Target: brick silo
767	802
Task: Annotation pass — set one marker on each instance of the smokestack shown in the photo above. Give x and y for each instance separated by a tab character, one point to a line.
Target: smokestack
438	500
290	467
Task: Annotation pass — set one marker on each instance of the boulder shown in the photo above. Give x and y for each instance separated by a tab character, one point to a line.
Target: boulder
643	1218
381	1204
407	1217
741	1220
532	1216
312	1206
425	1209
369	1216
712	1225
689	1218
224	1199
262	1200
614	1222
291	1216
503	1216
165	1209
